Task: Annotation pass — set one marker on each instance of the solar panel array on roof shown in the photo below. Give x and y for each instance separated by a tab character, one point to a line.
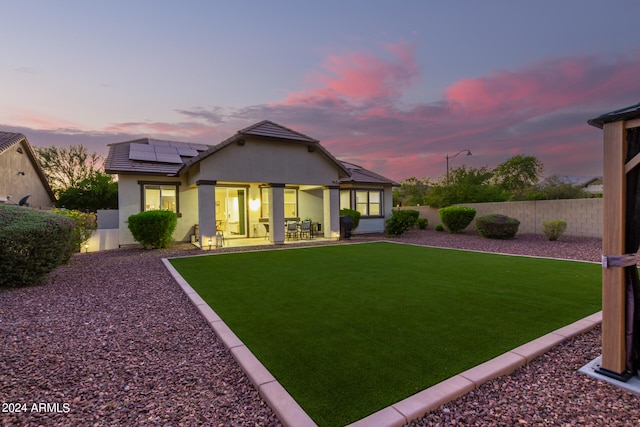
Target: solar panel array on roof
164	151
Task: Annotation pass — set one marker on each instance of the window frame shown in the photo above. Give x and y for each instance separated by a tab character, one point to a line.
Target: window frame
353	202
145	184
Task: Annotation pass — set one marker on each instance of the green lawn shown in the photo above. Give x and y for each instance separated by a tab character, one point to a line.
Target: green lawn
350	329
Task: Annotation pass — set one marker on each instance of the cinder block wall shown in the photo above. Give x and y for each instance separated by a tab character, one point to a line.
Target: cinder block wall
583	216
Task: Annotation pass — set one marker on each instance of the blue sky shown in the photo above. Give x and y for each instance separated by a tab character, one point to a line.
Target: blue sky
392	86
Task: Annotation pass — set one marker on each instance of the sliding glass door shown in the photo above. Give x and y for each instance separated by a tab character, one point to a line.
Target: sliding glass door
231	211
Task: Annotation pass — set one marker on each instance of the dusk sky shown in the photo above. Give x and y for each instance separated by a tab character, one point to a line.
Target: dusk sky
394	86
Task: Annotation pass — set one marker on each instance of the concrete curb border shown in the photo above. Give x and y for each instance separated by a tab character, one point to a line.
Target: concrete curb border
290	413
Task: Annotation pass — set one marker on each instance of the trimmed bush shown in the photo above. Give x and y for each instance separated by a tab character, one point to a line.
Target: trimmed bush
153	228
34	243
422	223
496	226
354	215
439	227
553	229
456	218
400	222
84	226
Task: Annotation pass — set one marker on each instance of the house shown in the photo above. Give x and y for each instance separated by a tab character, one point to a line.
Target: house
590	184
246	186
22	181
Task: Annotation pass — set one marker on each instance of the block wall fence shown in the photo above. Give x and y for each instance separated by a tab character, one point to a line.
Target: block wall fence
583	216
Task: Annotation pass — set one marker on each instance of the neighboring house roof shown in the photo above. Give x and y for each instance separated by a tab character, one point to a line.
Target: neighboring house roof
582	181
361	175
627	113
9	139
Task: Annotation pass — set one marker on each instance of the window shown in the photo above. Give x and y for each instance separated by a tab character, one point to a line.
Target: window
156	196
290	202
367	202
345	199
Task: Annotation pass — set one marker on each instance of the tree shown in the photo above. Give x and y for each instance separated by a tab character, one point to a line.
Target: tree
518	173
464	185
555	187
66	167
412	192
98	191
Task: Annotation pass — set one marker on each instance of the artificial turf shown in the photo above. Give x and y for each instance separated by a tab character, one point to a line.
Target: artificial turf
350	329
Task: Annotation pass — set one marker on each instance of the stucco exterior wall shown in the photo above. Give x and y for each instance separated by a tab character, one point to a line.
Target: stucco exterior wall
254	162
18	185
583	216
129	203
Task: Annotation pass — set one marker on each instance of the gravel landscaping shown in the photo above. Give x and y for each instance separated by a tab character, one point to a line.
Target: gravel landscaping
111	340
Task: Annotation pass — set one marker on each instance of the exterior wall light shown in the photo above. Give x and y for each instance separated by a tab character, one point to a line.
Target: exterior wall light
254	204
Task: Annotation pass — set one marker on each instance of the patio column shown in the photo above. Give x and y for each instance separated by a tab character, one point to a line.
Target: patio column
206	212
276	214
331	202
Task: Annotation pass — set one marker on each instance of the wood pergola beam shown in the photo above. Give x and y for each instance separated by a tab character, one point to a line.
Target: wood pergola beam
613	243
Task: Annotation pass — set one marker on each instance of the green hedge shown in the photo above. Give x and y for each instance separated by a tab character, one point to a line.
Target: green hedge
400	222
354	215
153	228
456	218
84	226
34	243
496	226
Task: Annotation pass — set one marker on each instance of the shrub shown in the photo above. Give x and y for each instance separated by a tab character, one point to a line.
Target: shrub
456	218
84	226
354	215
34	243
400	222
422	223
153	228
496	226
439	227
553	229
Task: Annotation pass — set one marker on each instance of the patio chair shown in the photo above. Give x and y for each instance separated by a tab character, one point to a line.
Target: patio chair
292	230
305	229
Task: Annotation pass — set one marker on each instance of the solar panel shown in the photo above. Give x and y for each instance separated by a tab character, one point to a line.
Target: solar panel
142	155
158	142
165	149
141	147
187	152
168	158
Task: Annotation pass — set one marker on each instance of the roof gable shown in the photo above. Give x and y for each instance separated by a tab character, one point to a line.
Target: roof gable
269	129
358	174
9	139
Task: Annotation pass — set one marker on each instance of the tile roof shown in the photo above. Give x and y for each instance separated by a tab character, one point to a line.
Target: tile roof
121	160
269	129
627	113
358	174
8	139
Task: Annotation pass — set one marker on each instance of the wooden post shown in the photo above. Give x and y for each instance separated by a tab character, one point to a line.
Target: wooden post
613	243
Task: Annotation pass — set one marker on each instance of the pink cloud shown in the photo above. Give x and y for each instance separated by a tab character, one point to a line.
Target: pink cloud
358	77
